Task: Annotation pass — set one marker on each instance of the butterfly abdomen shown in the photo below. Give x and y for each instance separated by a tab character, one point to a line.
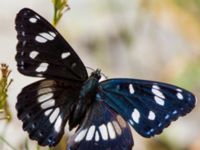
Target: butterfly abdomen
86	97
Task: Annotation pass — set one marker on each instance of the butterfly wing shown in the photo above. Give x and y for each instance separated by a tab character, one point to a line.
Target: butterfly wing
148	106
44	107
42	51
101	129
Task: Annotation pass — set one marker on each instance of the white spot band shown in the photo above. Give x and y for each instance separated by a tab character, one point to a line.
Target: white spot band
151	115
104	132
33	54
42	67
136	115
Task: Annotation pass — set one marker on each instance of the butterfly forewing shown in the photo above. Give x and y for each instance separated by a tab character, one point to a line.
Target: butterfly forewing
42	51
44	107
102	129
148	106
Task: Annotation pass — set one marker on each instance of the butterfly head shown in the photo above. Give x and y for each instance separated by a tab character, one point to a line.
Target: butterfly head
96	74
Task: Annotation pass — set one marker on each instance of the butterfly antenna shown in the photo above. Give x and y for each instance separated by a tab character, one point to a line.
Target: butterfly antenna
90	68
106	77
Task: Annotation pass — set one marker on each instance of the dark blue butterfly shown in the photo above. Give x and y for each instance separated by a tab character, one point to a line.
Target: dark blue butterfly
102	111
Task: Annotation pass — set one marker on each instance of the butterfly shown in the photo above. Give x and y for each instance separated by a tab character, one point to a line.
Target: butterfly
103	112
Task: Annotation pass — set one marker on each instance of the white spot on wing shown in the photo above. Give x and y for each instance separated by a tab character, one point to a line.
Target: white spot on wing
167	117
121	121
52	33
178	90
33	20
157	92
47	36
22	53
73	65
48	112
159	100
131	122
58	123
131	89
45	97
33	126
136	115
23	33
80	135
37	16
21	63
118	87
111	131
65	55
152	130
40	39
174	112
24	43
48	104
160	124
28	116
152	115
54	115
44	91
90	133
156	87
103	131
33	54
96	136
117	127
39	75
179	95
42	67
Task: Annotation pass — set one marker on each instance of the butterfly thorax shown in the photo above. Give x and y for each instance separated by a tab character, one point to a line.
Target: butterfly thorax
85	99
90	85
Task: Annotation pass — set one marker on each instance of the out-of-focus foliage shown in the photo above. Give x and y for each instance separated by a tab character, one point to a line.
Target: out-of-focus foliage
4	84
190	76
60	6
5	113
192	6
162	144
7	143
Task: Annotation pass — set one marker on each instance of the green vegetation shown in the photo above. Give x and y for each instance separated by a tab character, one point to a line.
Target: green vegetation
4	84
60	6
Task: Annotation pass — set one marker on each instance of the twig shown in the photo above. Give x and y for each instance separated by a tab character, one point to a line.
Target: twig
60	7
7	143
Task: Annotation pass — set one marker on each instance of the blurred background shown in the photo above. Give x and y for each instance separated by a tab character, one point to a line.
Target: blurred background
144	39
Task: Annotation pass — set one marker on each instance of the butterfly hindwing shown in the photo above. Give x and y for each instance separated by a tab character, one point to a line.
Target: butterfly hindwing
148	106
101	129
44	107
42	51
